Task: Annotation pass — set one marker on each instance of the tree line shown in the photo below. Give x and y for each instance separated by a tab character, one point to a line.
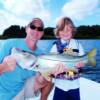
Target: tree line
83	32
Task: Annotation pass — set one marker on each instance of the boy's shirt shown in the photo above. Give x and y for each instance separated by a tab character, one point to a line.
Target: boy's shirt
73	44
68	84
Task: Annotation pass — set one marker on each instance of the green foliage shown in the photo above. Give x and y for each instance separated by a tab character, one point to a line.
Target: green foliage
88	32
49	33
14	31
83	32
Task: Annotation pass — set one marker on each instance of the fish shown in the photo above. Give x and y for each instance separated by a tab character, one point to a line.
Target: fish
24	59
46	63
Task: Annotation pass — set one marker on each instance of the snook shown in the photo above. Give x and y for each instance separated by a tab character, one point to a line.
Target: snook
46	63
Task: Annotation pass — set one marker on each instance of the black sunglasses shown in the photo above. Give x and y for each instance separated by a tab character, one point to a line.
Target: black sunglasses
33	27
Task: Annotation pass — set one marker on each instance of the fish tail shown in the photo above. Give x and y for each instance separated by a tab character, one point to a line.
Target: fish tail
91	56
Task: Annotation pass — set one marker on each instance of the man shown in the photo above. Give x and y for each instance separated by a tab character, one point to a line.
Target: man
13	76
16	81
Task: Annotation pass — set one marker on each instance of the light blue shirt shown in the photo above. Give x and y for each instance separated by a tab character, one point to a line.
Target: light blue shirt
12	82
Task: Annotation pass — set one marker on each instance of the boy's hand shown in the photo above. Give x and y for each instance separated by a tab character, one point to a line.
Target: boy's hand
59	68
9	64
80	64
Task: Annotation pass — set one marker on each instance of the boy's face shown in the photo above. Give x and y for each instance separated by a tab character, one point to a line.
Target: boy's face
66	33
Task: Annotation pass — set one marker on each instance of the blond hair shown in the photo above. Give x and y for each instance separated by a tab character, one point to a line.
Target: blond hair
61	25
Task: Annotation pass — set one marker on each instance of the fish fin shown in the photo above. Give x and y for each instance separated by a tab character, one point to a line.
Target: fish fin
91	56
70	73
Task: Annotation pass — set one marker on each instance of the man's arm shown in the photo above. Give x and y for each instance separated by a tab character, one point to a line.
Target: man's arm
45	91
2	68
43	85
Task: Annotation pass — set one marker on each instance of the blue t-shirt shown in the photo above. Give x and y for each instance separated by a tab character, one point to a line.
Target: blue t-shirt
12	82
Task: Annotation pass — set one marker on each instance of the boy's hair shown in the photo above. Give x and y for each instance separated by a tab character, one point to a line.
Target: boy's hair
61	24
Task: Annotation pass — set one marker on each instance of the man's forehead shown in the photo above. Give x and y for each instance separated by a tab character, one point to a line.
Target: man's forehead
37	22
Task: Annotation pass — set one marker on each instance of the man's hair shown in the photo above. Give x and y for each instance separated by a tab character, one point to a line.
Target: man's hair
35	19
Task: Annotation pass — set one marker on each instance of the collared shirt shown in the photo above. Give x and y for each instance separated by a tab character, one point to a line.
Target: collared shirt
68	84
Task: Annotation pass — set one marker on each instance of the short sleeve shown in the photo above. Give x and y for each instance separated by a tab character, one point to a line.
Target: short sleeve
5	50
81	50
53	49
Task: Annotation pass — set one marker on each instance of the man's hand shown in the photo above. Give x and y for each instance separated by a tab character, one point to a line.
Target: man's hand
9	64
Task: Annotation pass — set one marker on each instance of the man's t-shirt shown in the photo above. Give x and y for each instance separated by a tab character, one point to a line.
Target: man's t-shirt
12	82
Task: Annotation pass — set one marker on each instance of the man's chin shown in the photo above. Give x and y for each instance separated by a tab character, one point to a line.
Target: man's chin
34	39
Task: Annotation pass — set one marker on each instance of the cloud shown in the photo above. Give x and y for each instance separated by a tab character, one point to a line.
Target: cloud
9	19
79	9
26	7
20	12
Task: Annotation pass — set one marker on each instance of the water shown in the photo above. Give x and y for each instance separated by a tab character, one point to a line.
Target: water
92	73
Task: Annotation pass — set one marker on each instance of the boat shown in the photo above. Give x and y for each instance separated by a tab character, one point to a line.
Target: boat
89	90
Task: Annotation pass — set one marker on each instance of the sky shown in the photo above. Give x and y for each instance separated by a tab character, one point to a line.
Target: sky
21	12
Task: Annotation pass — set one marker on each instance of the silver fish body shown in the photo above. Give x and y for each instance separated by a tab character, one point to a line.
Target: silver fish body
49	61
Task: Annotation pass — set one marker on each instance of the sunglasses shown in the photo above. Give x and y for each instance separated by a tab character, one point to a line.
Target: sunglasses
33	27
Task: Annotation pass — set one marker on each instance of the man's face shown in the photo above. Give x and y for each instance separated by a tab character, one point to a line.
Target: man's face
35	30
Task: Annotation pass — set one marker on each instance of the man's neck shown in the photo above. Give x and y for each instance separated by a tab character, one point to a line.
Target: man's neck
31	44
